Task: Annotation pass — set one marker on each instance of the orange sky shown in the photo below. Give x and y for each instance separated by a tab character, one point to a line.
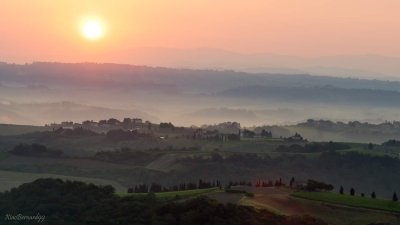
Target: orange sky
48	30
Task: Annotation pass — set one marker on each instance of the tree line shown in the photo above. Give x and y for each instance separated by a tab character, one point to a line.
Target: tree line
352	192
155	187
35	150
313	147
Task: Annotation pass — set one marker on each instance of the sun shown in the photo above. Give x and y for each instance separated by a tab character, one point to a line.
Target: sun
92	30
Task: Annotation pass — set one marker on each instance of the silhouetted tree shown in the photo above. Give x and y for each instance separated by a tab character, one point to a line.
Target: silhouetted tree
155	187
113	121
373	195
248	133
362	195
291	182
394	198
167	125
352	191
341	191
265	133
313	185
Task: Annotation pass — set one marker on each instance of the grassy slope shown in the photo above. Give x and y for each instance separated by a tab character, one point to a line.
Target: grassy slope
9	179
11	129
353	201
3	155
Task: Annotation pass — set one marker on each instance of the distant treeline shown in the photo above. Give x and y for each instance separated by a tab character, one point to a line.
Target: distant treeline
35	150
313	147
328	158
372	172
75	132
392	143
137	156
123	135
247	158
331	125
154	187
116	135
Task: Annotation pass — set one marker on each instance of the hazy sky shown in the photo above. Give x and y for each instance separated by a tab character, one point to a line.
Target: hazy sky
51	30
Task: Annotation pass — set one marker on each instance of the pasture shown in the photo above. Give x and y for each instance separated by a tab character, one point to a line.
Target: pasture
348	200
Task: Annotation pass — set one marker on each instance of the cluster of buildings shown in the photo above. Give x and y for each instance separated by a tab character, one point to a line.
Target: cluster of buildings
110	124
227	131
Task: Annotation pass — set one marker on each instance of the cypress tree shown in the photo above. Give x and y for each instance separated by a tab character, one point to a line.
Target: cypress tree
341	191
291	182
394	198
352	191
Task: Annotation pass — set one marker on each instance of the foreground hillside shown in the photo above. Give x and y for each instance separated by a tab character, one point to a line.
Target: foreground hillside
67	202
58	202
286	202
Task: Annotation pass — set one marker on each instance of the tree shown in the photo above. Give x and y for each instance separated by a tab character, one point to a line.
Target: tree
394	198
341	191
265	133
127	121
352	191
167	125
291	182
130	190
248	133
313	185
370	146
362	195
113	121
373	195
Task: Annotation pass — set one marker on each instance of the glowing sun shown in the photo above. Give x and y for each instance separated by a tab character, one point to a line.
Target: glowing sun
92	30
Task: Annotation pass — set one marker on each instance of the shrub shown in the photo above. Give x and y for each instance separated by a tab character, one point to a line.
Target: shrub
250	195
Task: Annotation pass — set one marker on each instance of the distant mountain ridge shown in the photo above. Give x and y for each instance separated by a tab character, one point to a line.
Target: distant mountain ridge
362	66
188	96
109	74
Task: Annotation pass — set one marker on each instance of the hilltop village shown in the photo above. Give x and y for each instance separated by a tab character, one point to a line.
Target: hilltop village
227	131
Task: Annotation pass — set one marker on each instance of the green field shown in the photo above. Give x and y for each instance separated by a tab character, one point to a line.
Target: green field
353	201
173	194
3	155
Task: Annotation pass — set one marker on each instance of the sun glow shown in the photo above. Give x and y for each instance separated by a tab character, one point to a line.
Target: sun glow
92	30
